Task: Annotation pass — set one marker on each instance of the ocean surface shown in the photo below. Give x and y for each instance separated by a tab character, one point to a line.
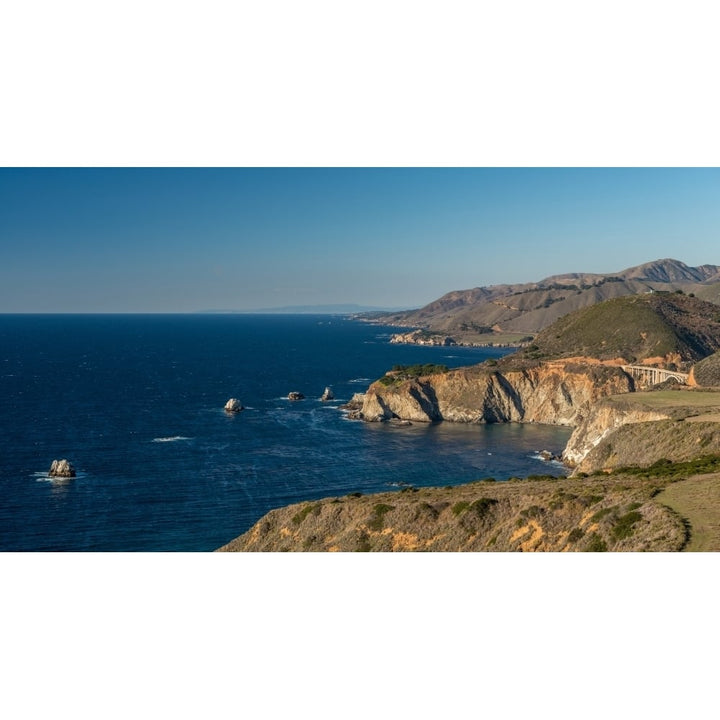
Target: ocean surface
135	402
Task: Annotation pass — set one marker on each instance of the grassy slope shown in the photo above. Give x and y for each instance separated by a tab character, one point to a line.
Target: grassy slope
689	402
697	500
634	328
599	513
707	371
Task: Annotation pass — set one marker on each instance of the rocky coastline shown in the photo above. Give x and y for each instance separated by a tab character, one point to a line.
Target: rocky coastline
611	508
435	339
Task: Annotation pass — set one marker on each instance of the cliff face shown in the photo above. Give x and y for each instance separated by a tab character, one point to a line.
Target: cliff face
601	421
554	393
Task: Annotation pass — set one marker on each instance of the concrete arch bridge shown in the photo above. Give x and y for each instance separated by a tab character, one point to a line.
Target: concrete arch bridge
654	376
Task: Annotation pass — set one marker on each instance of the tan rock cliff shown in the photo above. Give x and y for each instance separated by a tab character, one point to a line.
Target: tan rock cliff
601	421
554	393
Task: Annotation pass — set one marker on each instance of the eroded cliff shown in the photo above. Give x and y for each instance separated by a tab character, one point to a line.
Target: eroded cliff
602	420
553	392
644	428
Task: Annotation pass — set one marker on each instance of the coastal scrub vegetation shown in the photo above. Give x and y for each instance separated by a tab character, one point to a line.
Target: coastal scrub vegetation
665	468
609	512
633	327
400	373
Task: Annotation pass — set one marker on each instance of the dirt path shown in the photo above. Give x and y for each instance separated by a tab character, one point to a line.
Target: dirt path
697	500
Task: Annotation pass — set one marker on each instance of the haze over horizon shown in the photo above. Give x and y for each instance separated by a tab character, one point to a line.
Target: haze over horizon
193	239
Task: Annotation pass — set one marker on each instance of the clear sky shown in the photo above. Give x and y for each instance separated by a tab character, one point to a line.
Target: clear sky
192	239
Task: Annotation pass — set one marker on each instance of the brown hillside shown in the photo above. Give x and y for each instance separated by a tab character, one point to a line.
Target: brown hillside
663	329
609	513
528	308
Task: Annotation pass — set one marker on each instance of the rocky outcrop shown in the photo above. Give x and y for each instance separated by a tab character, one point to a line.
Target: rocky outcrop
354	406
422	337
599	422
327	395
295	395
554	393
61	469
233	405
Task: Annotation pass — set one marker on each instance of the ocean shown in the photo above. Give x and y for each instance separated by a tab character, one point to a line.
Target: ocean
135	403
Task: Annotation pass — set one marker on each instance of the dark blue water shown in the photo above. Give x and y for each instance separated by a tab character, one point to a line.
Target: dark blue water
136	404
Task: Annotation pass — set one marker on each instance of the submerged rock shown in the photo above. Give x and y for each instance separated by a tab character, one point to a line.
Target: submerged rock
294	395
62	469
233	405
548	456
327	395
397	422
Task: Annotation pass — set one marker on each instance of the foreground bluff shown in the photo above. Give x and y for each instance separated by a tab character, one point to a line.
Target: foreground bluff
554	392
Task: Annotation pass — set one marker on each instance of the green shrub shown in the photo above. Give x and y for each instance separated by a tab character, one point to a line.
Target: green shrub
377	520
483	505
667	468
575	534
624	525
300	516
363	543
600	514
400	373
588	500
595	544
460	507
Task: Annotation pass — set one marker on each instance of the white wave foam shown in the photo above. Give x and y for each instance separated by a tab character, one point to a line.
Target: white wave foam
174	438
359	380
43	476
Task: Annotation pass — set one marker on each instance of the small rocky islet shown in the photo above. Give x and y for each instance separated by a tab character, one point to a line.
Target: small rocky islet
61	469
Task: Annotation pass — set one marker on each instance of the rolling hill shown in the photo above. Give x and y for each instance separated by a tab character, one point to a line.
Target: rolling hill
662	328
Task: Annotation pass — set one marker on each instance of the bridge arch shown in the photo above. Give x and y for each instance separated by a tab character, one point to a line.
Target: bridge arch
654	376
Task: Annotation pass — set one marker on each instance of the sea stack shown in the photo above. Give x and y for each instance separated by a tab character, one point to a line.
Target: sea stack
61	469
233	405
294	395
327	395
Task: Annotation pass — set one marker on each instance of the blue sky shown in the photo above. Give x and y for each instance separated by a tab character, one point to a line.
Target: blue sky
187	239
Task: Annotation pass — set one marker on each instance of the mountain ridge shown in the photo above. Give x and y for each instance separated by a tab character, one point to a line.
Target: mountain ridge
480	313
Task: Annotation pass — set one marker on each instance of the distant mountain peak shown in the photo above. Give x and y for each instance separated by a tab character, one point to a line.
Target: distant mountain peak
529	307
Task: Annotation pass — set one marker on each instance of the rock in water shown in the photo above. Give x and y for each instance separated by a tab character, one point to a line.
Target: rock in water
294	395
327	395
62	469
233	405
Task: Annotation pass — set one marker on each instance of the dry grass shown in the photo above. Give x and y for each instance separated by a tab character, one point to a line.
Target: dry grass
616	513
697	500
707	371
692	400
